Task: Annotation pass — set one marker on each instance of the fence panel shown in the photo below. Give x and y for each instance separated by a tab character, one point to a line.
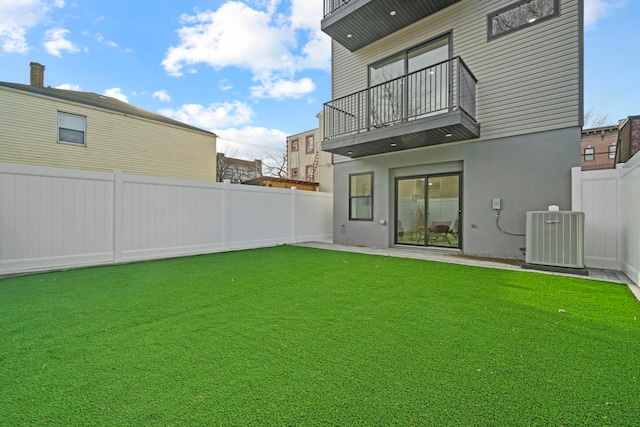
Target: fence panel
58	218
260	216
630	219
609	199
169	217
599	192
314	216
51	217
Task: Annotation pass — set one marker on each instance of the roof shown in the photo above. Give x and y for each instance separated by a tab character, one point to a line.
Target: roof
100	101
261	179
610	128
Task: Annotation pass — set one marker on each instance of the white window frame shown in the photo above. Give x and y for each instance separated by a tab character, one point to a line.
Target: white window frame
60	116
589	154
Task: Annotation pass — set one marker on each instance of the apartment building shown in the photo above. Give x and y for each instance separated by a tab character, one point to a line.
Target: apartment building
598	147
306	162
450	119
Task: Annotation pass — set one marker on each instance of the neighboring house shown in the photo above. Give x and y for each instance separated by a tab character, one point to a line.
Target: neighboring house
270	181
83	130
598	147
237	170
441	106
628	139
306	161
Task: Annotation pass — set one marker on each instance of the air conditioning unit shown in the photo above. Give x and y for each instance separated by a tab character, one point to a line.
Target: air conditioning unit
555	239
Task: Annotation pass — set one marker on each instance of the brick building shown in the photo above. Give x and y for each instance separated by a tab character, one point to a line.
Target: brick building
629	139
598	147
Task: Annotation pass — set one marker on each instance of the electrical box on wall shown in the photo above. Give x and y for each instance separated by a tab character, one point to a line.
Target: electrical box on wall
495	204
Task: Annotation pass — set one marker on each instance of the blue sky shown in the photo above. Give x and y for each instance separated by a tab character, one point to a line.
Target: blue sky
252	71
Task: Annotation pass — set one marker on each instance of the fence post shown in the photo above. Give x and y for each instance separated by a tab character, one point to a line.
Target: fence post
226	215
576	189
118	201
294	193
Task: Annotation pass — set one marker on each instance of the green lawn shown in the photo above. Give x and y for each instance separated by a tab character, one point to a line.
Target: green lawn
294	336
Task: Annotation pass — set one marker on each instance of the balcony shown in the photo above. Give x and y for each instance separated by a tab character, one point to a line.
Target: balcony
357	23
435	105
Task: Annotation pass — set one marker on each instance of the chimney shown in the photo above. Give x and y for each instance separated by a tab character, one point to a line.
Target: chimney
37	74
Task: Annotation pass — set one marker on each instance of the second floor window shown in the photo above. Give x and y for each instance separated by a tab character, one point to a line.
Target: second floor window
309	144
612	151
294	144
589	154
72	128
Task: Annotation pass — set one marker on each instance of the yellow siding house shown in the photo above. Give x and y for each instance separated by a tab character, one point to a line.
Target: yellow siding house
83	130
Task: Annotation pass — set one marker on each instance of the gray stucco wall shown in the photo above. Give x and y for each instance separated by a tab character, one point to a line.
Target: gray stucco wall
528	172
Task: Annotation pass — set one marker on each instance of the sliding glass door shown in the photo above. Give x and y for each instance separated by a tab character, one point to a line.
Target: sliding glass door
428	210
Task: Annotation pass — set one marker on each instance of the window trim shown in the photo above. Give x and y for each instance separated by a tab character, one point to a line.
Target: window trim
370	197
297	145
84	131
612	154
592	154
306	144
294	173
490	16
306	172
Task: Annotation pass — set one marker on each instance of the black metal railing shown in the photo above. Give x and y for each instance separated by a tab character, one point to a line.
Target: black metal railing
434	90
331	6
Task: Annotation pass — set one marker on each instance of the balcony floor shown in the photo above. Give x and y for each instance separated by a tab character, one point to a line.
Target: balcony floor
413	134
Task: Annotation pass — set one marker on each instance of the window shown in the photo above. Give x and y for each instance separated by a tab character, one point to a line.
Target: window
361	196
410	84
612	151
294	173
589	154
309	172
294	144
309	144
72	128
521	15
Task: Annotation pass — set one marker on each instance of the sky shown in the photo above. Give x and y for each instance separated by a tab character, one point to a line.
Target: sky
251	71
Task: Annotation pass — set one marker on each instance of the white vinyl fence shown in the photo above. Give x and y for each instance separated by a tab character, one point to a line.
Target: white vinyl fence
57	218
610	200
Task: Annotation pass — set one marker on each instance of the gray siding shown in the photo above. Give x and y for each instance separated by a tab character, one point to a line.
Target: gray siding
528	81
528	172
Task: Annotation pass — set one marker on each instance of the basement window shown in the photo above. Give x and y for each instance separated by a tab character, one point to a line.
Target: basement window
72	128
521	15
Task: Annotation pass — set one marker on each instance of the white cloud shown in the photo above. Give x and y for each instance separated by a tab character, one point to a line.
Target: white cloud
306	14
220	115
162	95
69	86
59	3
250	142
282	89
225	85
109	43
117	94
56	43
597	9
262	41
234	35
17	17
